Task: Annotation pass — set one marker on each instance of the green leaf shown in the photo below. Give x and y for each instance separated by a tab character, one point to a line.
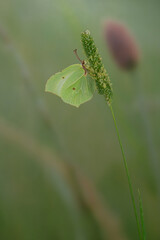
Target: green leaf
72	85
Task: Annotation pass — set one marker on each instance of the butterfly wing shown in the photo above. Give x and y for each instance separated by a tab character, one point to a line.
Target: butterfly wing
71	85
80	91
55	82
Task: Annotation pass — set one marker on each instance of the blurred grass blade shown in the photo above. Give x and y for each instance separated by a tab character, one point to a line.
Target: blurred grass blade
55	170
147	128
142	216
39	102
108	223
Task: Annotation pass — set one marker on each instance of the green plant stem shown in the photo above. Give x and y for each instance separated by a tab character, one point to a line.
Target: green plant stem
127	172
146	128
142	216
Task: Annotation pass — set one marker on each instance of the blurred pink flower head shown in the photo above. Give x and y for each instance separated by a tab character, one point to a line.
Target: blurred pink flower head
122	44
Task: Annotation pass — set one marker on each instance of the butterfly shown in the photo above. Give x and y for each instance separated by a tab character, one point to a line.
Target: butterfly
72	85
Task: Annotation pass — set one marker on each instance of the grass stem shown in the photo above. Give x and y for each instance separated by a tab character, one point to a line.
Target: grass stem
147	129
142	216
127	173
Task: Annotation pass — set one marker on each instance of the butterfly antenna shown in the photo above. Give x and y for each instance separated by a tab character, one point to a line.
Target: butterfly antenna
75	51
82	62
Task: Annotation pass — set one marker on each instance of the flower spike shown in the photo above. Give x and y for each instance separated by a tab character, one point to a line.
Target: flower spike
95	67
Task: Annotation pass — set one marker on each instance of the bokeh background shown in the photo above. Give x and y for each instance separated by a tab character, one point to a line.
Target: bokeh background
61	170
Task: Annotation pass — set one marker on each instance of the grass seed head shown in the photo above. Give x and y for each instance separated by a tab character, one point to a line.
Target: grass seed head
95	66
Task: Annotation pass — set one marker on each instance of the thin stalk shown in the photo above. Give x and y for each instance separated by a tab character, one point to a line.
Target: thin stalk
127	172
146	126
142	216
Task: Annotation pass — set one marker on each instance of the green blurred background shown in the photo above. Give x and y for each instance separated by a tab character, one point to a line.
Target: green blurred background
40	200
